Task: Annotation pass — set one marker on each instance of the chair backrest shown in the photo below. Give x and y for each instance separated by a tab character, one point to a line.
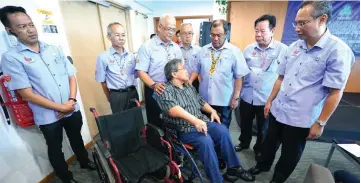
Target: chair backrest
122	131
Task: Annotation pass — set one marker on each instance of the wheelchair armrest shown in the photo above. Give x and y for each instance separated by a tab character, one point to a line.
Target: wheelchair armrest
153	127
103	149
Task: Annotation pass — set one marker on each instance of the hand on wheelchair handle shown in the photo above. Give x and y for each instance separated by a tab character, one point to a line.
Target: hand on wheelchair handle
201	126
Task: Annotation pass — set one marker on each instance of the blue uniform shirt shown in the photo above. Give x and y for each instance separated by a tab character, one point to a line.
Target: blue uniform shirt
117	70
190	57
217	88
308	75
47	73
257	85
153	55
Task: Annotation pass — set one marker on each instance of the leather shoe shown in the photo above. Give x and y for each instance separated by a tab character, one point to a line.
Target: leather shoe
221	164
73	181
239	148
257	170
89	166
241	173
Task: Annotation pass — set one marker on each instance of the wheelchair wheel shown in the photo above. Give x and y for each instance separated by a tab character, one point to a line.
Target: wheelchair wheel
100	169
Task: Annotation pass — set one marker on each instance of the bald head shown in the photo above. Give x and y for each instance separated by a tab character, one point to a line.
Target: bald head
166	27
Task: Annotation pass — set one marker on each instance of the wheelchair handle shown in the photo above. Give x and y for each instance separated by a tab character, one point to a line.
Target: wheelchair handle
94	111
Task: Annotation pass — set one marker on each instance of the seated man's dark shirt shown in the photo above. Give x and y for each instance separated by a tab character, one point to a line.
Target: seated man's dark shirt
186	98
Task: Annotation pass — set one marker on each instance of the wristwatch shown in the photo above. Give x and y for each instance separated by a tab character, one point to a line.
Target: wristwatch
73	99
321	123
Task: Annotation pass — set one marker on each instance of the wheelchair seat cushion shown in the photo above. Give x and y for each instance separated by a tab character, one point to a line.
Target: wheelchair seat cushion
141	162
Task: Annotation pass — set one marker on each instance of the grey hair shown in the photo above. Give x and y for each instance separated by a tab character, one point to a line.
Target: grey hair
109	27
170	67
165	17
184	24
319	8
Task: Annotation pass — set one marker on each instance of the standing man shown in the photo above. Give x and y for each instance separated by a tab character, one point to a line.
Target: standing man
152	57
115	70
189	51
221	67
311	80
45	78
263	58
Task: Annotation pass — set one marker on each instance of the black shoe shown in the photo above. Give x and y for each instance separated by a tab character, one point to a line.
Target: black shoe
241	173
257	170
89	166
221	164
239	148
73	181
229	178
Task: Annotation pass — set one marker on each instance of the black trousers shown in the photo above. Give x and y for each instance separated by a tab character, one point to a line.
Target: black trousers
247	113
120	101
196	84
152	109
53	134
293	140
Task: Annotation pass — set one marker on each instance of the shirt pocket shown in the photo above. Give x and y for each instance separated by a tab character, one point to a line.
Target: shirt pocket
313	69
224	65
130	67
60	65
270	64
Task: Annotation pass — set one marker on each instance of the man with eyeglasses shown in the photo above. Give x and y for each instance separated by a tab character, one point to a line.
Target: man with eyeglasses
263	58
221	67
189	50
309	87
115	70
152	57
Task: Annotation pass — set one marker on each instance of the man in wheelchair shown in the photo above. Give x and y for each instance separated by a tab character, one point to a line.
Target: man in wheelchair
182	110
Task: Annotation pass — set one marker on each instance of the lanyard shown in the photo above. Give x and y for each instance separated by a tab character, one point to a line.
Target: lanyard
121	63
214	61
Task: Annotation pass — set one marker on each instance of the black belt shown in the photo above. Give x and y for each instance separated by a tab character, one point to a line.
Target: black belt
130	88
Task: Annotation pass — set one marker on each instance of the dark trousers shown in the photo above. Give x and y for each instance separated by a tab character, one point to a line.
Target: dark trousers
293	140
196	84
152	109
247	113
218	136
53	134
120	101
225	114
345	177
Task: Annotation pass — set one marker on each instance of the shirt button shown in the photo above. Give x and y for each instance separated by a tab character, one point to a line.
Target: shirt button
53	74
290	84
47	64
59	85
301	63
296	74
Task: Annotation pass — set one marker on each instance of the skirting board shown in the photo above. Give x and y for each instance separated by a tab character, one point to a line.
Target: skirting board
51	176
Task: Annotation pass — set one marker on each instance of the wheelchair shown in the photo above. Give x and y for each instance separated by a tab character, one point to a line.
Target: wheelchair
128	155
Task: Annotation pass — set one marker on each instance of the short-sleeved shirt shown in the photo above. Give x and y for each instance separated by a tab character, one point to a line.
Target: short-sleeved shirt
117	70
154	55
186	98
217	88
190	57
47	73
308	75
263	64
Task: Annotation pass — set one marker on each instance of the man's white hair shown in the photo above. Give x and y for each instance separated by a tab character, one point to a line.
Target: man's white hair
109	27
184	24
165	17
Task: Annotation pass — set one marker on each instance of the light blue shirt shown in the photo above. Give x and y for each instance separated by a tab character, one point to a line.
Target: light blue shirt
117	70
308	75
47	73
190	57
257	85
217	88
153	55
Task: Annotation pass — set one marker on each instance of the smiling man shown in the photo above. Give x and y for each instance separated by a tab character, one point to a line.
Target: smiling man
45	78
312	77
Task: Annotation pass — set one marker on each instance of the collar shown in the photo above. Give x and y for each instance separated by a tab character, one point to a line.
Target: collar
182	46
321	43
160	42
21	47
114	51
225	45
272	45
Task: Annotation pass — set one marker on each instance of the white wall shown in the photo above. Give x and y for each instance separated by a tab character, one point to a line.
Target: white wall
23	154
179	7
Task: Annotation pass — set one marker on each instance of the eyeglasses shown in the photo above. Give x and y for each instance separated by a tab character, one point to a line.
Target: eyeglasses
260	31
187	33
169	29
181	69
216	35
301	23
